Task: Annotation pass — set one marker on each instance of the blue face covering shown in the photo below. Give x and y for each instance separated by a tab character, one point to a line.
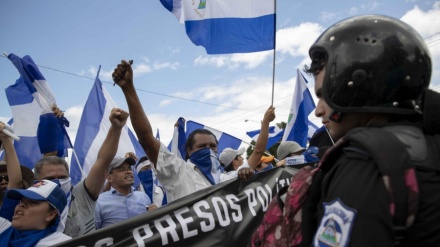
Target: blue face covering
147	182
12	237
206	160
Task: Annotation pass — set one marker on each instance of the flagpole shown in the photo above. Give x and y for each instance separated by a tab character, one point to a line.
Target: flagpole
274	49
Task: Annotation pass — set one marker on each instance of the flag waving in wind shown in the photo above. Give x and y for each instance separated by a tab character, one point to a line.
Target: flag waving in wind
302	105
227	26
93	129
31	102
275	135
224	140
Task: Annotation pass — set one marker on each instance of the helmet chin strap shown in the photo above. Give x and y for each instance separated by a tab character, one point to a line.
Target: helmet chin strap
336	116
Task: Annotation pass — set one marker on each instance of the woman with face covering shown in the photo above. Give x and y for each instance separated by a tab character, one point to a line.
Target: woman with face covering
36	217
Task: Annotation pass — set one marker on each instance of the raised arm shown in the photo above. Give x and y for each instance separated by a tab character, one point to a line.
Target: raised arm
12	164
123	76
260	145
96	178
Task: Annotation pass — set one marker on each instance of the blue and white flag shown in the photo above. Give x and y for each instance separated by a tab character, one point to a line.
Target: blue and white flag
275	135
224	140
297	127
227	26
31	102
92	131
178	143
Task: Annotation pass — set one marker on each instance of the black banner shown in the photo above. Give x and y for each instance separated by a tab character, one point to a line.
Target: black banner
223	215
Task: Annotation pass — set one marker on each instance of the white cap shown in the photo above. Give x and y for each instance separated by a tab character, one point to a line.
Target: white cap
228	155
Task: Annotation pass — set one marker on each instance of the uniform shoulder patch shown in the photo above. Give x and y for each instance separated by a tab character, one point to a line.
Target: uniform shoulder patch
336	224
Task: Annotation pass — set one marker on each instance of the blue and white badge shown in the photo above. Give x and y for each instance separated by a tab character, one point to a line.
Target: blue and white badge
335	226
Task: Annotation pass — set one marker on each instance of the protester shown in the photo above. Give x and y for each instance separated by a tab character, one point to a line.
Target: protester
122	201
36	217
78	217
265	163
179	177
371	75
290	153
21	177
150	184
233	161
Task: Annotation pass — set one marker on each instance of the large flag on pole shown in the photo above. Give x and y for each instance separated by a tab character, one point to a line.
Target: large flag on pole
227	26
93	129
224	140
302	105
31	102
275	135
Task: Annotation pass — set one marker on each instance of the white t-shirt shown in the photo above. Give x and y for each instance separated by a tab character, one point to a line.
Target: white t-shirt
52	239
179	177
233	174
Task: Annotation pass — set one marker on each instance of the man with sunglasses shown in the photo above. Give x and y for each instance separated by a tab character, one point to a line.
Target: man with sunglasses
121	202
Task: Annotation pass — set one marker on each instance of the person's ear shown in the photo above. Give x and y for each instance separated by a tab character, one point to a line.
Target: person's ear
109	177
52	214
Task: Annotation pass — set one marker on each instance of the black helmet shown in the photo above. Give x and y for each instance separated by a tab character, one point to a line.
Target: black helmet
374	63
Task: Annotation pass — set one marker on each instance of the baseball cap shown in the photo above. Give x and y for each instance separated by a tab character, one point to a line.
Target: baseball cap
266	159
26	173
118	161
287	148
43	190
228	155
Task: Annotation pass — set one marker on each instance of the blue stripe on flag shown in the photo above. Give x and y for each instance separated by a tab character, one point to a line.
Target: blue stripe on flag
233	35
227	26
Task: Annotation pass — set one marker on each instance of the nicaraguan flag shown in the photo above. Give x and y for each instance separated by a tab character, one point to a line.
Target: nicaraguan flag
297	127
93	129
178	143
31	102
275	135
227	26
224	140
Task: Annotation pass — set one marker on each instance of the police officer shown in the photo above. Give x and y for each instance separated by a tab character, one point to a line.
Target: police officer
372	72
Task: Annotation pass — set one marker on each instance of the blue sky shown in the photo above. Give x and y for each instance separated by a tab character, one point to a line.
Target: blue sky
220	91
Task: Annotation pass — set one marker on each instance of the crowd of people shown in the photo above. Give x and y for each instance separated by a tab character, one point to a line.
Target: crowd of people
371	73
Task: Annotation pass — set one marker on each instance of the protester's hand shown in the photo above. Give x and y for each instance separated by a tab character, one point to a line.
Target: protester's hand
118	117
132	155
245	173
123	74
151	207
269	116
281	163
3	137
57	112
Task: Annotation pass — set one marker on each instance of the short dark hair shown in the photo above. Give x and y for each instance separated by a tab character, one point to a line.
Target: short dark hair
55	160
319	60
191	140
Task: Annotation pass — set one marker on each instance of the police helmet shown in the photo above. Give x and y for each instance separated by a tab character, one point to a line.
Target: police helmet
373	63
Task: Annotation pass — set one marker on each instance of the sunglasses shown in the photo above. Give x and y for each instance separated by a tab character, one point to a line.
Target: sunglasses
5	177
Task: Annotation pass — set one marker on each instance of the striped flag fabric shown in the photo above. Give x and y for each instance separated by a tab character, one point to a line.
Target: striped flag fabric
224	140
93	129
227	26
275	135
177	144
31	101
297	126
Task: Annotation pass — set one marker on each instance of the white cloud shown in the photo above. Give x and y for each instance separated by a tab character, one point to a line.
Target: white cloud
328	16
297	40
216	61
427	23
173	66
